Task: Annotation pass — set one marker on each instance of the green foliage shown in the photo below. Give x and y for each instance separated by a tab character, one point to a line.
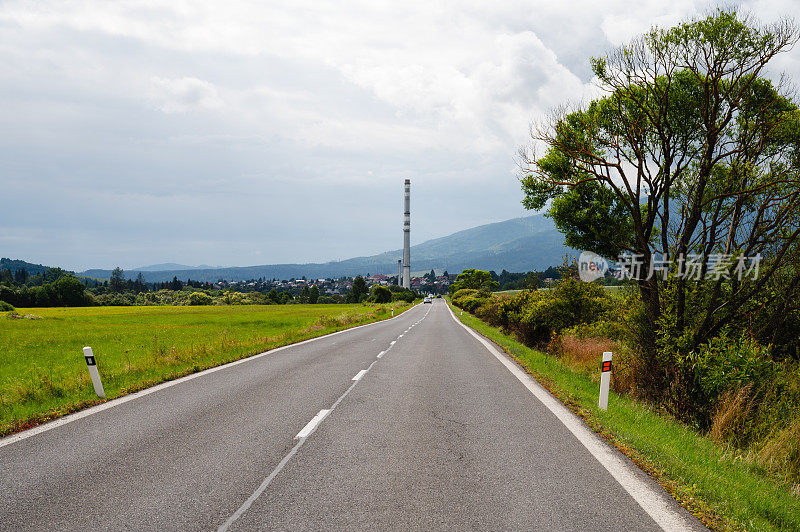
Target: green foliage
116	283
534	316
691	150
380	294
5	307
200	298
723	365
359	291
402	294
64	290
70	292
475	280
313	294
470	298
592	218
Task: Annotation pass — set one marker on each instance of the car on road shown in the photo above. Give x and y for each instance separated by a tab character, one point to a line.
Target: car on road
428	299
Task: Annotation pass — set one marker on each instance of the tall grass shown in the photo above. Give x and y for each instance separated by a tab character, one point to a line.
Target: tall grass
43	373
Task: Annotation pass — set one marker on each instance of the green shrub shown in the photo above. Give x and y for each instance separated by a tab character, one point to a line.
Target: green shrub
403	295
536	316
5	307
722	366
470	299
200	298
380	294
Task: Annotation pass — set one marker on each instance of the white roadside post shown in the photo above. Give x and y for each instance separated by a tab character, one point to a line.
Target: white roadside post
605	380
92	365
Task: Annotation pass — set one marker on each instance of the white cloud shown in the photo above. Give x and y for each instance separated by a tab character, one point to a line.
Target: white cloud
184	94
275	104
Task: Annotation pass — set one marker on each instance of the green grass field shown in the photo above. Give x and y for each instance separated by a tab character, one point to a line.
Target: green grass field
726	492
43	373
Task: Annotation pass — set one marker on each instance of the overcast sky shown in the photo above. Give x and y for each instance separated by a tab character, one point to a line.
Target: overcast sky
235	133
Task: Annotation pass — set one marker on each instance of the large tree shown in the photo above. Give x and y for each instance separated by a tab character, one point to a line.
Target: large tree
117	281
474	279
692	151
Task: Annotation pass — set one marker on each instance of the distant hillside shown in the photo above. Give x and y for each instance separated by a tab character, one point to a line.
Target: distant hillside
14	265
516	245
170	266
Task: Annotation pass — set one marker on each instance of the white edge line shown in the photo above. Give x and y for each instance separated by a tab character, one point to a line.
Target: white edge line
311	425
381	354
650	501
14	438
359	375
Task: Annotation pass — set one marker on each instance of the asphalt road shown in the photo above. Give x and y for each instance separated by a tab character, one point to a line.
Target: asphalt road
437	433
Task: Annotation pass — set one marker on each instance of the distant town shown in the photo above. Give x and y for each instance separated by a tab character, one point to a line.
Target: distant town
23	284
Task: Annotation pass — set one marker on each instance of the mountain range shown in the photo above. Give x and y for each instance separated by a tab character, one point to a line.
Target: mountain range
516	245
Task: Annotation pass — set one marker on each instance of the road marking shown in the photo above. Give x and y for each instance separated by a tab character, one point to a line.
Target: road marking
311	425
8	440
656	505
393	342
301	440
359	375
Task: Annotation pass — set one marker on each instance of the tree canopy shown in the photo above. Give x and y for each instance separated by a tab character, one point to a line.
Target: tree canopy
475	279
692	150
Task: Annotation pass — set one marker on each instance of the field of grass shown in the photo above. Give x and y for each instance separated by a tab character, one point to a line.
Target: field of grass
43	373
723	490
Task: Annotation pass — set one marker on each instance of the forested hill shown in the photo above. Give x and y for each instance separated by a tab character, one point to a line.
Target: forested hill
14	265
516	245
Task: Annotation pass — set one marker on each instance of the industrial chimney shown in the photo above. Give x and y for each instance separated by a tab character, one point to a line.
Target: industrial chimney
407	238
399	272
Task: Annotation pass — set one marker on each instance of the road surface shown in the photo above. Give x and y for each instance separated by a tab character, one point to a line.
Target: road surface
410	423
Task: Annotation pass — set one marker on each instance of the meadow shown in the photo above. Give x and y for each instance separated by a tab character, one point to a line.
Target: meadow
43	373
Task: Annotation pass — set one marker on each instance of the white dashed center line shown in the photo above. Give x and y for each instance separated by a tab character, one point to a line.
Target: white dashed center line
311	425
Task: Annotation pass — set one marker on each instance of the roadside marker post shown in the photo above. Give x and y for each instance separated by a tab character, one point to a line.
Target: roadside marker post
605	380
91	363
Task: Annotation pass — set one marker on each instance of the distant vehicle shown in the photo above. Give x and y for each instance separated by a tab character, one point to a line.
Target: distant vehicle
438	296
428	299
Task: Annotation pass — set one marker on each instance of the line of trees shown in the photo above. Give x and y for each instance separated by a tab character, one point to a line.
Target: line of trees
55	287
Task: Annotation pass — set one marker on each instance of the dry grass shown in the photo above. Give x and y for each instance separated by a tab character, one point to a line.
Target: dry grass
731	414
584	354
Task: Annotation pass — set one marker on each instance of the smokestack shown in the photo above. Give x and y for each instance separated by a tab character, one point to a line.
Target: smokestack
407	238
399	272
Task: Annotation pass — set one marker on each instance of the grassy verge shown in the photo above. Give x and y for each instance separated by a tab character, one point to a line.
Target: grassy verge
43	374
721	489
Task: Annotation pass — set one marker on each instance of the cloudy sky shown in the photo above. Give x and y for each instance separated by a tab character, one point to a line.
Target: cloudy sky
236	133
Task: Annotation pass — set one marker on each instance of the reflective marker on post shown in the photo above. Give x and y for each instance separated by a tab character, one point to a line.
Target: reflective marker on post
92	364
605	380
